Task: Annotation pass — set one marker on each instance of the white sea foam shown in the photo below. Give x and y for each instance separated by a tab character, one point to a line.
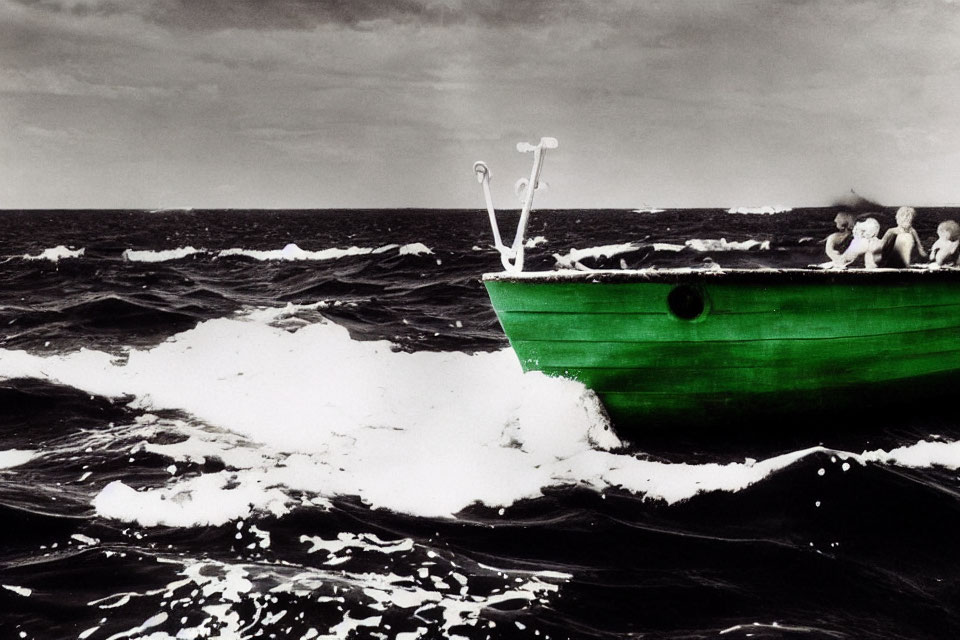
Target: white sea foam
15	457
698	244
200	501
765	210
85	540
572	259
293	253
649	210
922	454
160	256
666	246
414	249
242	597
312	414
346	540
154	621
20	591
342	409
56	254
534	242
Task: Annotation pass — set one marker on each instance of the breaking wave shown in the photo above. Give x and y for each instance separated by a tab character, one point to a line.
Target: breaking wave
321	413
292	252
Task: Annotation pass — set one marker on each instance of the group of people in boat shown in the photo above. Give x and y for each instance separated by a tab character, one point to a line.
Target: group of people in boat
856	239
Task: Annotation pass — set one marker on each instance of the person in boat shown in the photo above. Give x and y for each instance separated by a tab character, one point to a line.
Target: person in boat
947	247
864	244
838	242
897	244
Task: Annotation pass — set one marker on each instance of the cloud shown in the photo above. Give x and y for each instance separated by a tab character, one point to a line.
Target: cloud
53	82
77	7
58	135
212	15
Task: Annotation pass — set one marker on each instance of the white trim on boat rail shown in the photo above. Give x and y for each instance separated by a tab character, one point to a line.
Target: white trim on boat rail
762	274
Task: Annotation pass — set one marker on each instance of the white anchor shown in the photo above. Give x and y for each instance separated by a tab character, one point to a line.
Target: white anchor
523	189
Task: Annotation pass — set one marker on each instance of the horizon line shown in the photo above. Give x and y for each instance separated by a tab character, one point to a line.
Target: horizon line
643	209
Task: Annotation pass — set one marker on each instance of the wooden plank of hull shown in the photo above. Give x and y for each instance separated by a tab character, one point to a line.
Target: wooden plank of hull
785	325
760	378
732	354
735	297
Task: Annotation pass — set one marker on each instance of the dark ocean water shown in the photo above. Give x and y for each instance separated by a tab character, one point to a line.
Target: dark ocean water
333	440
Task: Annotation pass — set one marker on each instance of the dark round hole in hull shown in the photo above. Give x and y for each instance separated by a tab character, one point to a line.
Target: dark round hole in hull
686	302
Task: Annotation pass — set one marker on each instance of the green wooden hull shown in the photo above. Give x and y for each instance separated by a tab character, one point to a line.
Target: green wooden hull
701	347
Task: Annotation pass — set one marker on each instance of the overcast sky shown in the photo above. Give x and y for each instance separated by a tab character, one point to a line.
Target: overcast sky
387	103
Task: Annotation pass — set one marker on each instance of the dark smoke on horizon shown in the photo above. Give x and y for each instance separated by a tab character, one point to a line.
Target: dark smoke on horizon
854	202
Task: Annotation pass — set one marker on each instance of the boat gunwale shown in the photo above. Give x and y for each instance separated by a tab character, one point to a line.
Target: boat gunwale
760	276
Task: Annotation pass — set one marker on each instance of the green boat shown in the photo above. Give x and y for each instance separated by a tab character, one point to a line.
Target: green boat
692	346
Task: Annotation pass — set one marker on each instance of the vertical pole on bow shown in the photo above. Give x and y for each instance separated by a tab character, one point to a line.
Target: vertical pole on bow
483	177
531	188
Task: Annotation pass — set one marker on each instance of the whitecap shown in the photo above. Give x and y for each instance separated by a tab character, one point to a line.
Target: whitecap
920	455
205	500
293	253
572	259
160	256
415	249
765	210
698	244
666	246
15	457
472	426
56	254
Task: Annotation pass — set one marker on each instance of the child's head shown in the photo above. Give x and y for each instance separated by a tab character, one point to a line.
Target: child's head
845	221
949	230
867	229
905	217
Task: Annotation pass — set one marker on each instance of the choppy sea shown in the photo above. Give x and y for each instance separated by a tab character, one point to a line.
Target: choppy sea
308	424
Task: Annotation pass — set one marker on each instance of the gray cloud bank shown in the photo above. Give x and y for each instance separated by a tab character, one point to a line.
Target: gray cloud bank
388	103
307	14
